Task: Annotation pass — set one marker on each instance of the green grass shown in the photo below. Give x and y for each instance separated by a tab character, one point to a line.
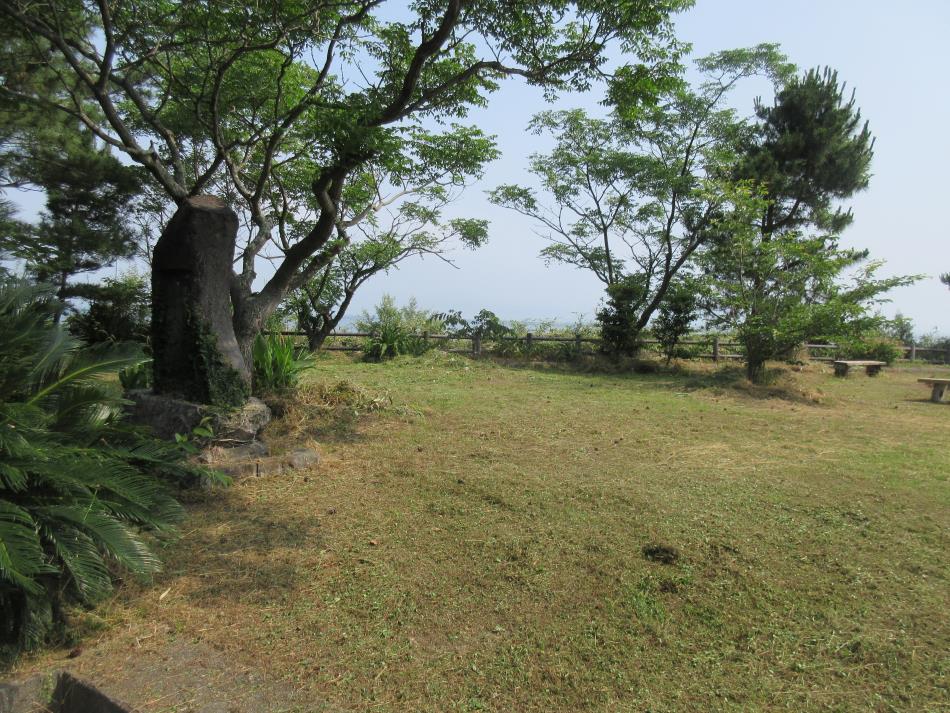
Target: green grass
479	546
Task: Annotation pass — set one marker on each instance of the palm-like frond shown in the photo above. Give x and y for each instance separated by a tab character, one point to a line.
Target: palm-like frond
77	488
21	554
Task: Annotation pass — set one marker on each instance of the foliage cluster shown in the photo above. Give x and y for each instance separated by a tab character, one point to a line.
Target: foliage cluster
877	348
397	330
78	490
119	310
278	363
673	319
486	324
619	316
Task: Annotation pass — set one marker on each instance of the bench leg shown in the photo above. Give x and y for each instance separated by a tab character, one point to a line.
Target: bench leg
873	370
937	394
841	369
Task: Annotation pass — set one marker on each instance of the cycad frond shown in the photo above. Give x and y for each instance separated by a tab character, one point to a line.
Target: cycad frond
21	554
81	560
77	488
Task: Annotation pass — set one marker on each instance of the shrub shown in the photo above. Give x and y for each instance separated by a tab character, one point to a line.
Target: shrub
396	330
277	363
486	324
77	488
673	318
619	315
875	348
137	376
687	351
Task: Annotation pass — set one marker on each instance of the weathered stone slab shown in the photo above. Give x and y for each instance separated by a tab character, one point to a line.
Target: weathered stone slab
195	352
237	467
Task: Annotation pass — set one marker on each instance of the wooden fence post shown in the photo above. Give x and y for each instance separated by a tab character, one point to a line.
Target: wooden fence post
476	344
529	339
716	348
425	338
577	343
947	358
913	351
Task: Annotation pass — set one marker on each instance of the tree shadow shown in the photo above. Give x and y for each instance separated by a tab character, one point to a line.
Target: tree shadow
728	378
244	551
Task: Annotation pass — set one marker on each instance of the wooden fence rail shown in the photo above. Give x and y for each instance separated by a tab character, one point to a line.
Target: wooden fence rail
715	343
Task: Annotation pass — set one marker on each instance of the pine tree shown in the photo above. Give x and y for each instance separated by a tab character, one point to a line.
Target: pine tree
774	275
85	225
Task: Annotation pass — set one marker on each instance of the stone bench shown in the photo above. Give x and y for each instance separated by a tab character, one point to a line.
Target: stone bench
872	368
940	387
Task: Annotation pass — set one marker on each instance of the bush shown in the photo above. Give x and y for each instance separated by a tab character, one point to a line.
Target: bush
687	351
618	317
486	324
119	311
77	487
278	363
138	376
676	313
871	348
396	330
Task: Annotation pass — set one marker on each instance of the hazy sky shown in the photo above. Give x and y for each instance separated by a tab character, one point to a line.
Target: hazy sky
895	55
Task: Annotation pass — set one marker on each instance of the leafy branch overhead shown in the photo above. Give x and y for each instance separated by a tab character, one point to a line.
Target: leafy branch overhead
414	230
269	101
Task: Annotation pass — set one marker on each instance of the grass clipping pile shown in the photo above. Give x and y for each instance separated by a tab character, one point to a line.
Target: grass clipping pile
320	411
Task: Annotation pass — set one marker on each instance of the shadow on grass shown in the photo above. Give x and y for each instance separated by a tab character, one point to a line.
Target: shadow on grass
729	378
246	551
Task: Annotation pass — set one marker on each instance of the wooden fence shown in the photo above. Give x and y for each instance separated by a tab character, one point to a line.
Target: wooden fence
718	349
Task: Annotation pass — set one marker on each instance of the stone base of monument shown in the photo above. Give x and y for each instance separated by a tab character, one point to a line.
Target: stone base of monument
254	460
235	449
167	416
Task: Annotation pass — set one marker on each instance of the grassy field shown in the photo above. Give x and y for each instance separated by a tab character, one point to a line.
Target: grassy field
479	544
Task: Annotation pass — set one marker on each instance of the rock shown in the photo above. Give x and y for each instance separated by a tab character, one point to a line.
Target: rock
57	691
302	458
30	694
167	415
195	352
245	451
248	468
243	423
244	467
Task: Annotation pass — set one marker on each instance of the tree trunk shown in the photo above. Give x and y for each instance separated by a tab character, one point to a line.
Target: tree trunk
316	339
247	322
196	353
755	369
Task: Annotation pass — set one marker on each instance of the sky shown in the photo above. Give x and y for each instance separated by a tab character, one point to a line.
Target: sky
895	55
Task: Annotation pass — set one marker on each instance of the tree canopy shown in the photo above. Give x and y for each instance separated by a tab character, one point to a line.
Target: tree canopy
632	196
336	103
776	274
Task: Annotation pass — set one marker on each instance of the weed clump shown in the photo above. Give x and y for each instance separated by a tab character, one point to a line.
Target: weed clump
321	410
